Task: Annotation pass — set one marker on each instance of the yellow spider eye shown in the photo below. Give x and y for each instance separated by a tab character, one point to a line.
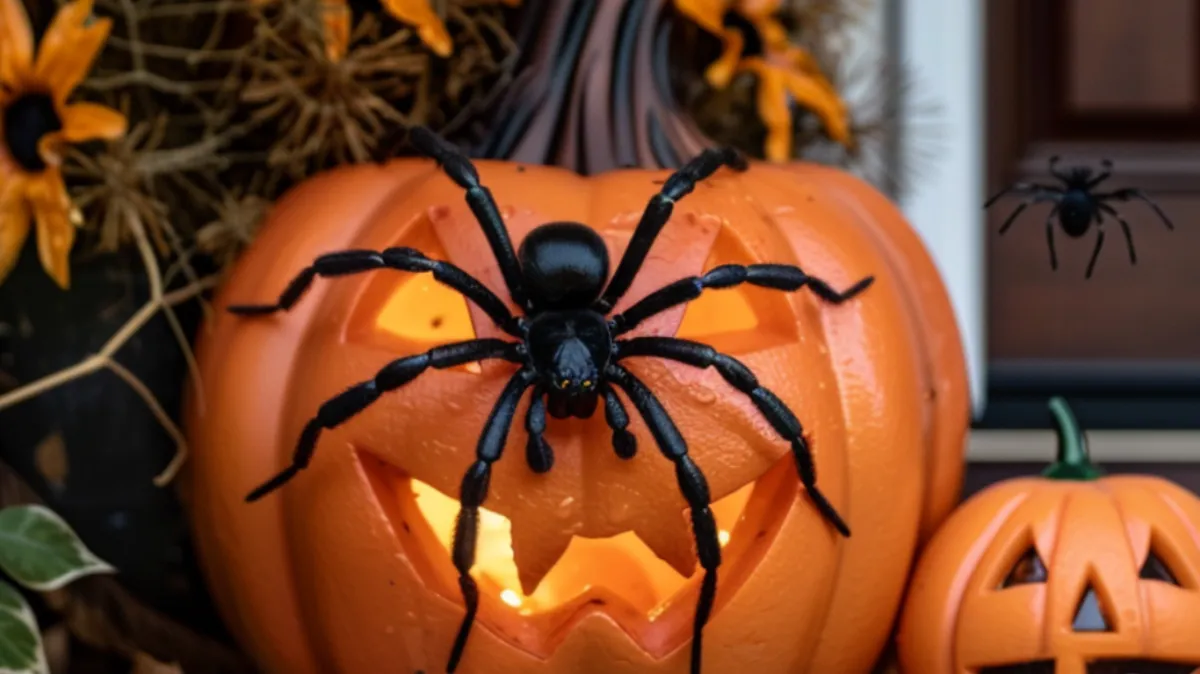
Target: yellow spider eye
587	383
564	383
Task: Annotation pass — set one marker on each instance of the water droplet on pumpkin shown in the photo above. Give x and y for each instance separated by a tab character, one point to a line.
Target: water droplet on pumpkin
702	394
566	502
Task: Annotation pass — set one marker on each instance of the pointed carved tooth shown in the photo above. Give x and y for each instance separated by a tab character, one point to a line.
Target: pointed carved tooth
536	549
670	538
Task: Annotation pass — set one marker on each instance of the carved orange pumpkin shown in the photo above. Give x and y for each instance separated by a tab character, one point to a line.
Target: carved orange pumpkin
587	568
1067	573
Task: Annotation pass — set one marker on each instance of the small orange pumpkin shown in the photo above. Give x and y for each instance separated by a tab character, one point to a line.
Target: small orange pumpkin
587	568
1067	573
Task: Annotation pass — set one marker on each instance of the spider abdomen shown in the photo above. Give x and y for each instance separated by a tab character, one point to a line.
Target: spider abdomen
1075	213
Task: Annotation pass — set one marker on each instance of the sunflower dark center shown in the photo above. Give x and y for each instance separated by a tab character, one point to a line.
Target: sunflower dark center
753	45
26	120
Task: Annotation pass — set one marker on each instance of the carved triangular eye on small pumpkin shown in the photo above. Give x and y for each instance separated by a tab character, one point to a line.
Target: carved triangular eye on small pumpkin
1092	615
740	319
1155	568
1029	569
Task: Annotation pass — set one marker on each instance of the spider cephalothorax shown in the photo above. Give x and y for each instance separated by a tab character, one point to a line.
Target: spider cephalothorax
568	349
1077	207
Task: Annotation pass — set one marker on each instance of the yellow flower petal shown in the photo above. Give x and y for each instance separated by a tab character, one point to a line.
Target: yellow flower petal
773	109
818	96
88	121
419	15
16	43
14	229
69	48
721	71
55	233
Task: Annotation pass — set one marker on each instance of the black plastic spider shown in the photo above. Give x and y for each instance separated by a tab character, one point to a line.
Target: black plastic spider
568	350
1077	206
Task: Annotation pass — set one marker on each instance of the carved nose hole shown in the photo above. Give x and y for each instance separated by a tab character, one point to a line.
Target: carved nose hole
1091	615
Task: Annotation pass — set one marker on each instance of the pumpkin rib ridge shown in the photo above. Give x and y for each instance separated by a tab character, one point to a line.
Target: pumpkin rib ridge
1052	561
294	547
926	294
984	541
852	247
269	642
769	218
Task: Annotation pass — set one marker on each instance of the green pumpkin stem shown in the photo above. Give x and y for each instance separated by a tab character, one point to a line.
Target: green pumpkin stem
1073	462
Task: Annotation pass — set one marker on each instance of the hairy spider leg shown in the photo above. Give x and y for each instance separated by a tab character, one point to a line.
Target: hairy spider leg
1055	172
733	371
344	263
473	493
1019	188
1041	194
1134	193
1124	228
777	276
1095	251
693	486
658	211
1050	237
342	407
623	442
458	167
1106	166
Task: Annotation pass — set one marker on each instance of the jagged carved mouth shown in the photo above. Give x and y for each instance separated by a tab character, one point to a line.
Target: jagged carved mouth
619	577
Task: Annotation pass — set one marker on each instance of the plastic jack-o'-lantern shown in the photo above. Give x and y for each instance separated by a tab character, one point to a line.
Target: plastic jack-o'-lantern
589	567
1071	572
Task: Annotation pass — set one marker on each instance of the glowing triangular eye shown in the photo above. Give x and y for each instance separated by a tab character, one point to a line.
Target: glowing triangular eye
1091	615
1156	569
1028	569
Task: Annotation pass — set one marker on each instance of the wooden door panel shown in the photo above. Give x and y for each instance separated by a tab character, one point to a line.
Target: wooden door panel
1117	50
1092	79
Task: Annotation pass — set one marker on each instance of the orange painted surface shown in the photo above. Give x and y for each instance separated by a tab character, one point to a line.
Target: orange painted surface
339	571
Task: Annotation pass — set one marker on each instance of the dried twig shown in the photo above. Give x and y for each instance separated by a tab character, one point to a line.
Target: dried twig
103	359
326	111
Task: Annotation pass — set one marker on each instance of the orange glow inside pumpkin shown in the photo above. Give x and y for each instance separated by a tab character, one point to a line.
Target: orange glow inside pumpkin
419	312
626	565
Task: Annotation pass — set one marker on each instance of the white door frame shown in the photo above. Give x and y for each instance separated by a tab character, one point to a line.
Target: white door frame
941	43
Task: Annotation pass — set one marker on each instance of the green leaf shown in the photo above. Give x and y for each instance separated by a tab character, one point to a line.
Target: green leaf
20	642
39	550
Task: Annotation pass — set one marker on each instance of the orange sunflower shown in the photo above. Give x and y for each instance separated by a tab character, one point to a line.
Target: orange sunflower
37	123
753	40
335	21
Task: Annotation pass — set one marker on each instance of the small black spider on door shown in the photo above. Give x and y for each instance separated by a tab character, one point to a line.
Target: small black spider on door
1078	207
